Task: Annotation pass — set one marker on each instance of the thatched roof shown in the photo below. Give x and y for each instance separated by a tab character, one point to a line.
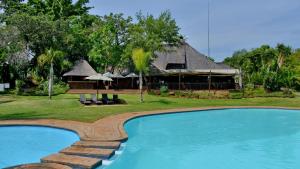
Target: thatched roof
185	59
222	65
82	68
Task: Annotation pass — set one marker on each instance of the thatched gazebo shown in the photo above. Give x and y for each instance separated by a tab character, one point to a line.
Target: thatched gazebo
76	76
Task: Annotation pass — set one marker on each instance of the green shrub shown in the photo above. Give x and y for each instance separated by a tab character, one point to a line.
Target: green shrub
195	95
259	92
271	82
288	93
164	89
236	94
249	90
42	89
189	94
204	95
280	94
19	87
184	94
177	93
58	88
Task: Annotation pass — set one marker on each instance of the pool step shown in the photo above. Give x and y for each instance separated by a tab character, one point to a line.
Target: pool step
73	161
89	152
98	144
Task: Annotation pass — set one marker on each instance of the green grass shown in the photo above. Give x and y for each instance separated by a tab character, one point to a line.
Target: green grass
67	107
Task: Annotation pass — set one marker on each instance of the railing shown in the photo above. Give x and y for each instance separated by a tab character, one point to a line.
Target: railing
194	86
156	86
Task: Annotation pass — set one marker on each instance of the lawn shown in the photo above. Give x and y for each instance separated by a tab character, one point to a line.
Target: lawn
67	107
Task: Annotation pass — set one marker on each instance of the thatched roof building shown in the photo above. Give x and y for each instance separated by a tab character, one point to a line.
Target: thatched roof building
81	69
183	67
180	68
186	60
76	76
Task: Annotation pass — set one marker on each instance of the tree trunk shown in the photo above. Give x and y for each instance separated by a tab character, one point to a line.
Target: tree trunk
141	86
50	87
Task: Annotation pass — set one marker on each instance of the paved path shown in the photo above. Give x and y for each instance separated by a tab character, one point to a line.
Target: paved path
99	140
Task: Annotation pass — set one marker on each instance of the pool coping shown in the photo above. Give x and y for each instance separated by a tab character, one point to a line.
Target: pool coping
111	128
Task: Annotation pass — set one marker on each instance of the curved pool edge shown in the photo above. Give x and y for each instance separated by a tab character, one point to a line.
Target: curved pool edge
71	134
122	119
112	128
72	126
40	166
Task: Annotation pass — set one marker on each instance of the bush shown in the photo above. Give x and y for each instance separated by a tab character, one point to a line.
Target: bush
19	87
58	88
288	93
178	93
164	90
204	95
42	89
189	94
271	82
249	90
259	92
236	94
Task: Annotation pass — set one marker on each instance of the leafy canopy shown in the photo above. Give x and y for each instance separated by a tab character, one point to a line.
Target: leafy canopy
273	68
33	31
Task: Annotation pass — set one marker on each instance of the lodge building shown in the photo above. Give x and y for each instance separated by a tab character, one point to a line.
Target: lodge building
179	68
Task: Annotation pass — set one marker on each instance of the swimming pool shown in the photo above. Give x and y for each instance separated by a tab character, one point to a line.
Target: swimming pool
28	144
214	139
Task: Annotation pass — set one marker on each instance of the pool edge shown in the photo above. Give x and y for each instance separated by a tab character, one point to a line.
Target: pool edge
112	128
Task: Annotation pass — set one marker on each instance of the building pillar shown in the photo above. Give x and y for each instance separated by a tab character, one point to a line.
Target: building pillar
209	81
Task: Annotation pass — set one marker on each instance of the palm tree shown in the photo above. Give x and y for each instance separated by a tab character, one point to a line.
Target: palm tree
141	61
48	58
283	53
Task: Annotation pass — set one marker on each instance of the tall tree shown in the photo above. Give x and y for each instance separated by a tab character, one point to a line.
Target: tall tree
152	34
49	58
283	52
109	42
141	61
293	62
10	7
13	50
58	9
236	59
267	66
77	43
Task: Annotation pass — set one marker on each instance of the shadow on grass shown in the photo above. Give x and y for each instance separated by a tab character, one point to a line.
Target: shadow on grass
22	116
6	101
161	101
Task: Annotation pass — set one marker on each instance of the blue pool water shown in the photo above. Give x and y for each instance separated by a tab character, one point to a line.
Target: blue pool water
216	139
28	144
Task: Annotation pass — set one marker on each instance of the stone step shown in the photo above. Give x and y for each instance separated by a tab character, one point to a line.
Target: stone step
89	152
73	161
98	144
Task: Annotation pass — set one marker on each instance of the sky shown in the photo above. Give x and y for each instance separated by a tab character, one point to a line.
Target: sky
235	24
